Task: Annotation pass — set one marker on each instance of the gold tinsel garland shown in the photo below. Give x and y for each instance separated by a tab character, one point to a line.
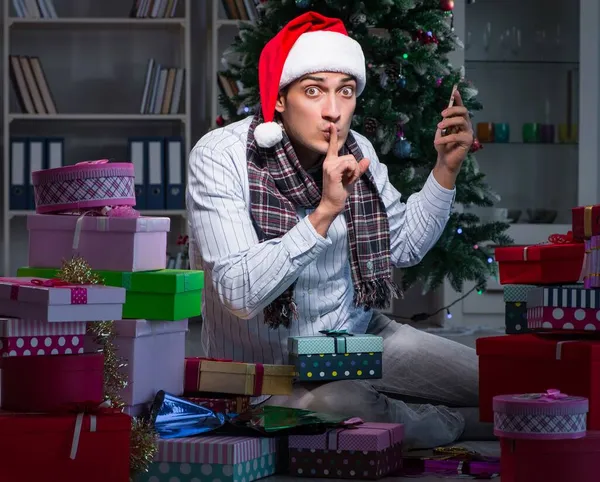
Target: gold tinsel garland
143	437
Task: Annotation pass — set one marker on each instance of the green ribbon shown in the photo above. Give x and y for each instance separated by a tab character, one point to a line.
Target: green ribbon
126	280
340	339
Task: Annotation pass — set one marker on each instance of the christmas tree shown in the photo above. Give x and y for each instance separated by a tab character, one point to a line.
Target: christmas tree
409	82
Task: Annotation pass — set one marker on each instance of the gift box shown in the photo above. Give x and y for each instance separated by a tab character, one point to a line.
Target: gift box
213	458
531	363
563	308
540	416
225	376
55	448
222	402
106	243
515	313
336	356
480	468
585	221
551	460
542	264
54	300
168	294
48	383
85	185
154	352
15	327
365	451
591	268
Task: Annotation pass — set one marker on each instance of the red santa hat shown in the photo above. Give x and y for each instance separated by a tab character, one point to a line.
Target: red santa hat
309	43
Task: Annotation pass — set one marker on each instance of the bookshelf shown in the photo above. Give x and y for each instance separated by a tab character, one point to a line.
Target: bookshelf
95	59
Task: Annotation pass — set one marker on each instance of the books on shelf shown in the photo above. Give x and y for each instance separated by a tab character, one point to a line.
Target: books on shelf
153	8
162	89
241	9
30	85
34	9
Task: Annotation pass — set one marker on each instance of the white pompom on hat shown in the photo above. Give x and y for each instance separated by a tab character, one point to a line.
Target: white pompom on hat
310	43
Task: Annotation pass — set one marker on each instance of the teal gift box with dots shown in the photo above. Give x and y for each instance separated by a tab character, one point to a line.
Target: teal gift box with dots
336	355
209	458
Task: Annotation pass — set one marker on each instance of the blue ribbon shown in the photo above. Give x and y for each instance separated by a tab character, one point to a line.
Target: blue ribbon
340	339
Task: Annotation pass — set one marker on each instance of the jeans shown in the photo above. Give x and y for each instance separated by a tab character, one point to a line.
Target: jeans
429	384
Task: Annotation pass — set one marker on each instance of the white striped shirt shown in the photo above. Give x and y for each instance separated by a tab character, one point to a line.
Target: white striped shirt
243	276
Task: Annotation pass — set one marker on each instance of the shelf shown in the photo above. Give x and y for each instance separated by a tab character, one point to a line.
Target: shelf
145	212
97	117
524	62
96	21
230	23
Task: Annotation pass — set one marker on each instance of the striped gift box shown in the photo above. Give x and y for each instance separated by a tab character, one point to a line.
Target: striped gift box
213	458
564	297
10	327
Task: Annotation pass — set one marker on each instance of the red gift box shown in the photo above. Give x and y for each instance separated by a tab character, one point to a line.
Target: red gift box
55	448
585	221
48	382
551	460
531	363
540	264
221	402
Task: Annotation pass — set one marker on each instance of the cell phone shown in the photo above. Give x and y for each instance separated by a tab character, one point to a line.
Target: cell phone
450	130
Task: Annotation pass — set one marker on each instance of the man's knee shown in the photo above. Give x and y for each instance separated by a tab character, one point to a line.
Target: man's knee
344	397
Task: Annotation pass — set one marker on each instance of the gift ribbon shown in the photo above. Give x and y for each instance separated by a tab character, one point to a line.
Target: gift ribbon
102	224
341	345
193	371
78	293
92	410
555	238
587	221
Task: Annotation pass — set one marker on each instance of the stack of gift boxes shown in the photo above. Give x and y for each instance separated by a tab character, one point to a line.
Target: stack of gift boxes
538	383
50	363
363	451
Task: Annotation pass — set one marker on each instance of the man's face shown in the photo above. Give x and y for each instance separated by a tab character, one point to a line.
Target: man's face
312	103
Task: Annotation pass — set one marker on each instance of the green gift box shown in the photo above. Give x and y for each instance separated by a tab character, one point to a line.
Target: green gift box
515	318
165	295
336	355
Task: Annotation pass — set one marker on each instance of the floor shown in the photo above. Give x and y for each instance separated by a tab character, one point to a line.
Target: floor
467	337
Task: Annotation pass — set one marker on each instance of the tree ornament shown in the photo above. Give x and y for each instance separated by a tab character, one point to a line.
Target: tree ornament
370	125
401	81
402	147
476	146
447	5
302	3
392	72
220	121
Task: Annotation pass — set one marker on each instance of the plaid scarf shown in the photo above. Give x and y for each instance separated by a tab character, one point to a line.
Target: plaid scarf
279	184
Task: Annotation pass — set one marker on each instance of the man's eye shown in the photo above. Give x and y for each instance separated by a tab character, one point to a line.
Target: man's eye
312	91
347	91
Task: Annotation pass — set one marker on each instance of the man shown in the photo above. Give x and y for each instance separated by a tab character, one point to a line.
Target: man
296	225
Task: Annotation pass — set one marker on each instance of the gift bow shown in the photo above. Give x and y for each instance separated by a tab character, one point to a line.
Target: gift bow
49	283
100	161
553	394
88	408
340	339
555	238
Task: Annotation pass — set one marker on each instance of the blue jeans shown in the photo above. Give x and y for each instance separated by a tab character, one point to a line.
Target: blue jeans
429	384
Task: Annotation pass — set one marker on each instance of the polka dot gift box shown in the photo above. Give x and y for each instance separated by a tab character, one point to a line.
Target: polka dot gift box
563	309
361	451
336	355
212	459
30	337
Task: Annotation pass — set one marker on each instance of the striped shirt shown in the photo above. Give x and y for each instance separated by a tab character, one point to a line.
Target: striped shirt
243	276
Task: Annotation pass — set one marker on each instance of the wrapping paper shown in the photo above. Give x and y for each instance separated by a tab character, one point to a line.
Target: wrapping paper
531	363
517	293
155	354
142	241
14	327
564	297
591	269
49	383
55	301
221	402
540	264
480	469
334	342
551	460
544	318
41	447
206	375
167	294
585	221
515	318
45	345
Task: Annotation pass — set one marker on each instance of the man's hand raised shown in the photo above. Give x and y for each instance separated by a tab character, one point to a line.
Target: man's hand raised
340	173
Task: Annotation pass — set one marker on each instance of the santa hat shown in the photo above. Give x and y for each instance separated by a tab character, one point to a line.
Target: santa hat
309	43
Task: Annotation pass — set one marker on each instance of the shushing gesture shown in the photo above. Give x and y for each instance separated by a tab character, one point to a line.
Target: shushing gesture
340	173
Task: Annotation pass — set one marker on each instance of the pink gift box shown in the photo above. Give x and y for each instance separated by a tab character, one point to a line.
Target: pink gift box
155	355
54	301
362	451
106	243
15	327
